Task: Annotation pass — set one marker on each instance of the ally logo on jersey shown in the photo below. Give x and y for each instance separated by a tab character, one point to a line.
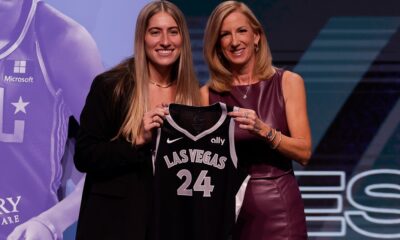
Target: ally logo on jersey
216	140
19	71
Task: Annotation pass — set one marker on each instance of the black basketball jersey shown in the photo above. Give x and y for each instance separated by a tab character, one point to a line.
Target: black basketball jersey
198	185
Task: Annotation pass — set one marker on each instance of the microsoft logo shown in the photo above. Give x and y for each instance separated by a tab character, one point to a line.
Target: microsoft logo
20	66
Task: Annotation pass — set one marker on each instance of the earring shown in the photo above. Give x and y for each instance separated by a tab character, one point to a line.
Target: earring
256	48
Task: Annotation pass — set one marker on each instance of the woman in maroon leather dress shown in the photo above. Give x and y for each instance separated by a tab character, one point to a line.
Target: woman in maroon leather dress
271	125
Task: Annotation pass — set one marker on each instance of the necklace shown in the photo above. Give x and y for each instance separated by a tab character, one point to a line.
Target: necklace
244	96
161	86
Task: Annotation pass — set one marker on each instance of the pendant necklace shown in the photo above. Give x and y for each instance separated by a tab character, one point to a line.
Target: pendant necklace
247	90
244	96
161	86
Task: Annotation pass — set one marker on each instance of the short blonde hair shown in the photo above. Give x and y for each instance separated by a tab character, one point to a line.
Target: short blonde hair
220	75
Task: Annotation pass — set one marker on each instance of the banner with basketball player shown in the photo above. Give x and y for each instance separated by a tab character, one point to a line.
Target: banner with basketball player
50	51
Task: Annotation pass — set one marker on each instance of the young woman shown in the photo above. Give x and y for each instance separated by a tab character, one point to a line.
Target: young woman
124	106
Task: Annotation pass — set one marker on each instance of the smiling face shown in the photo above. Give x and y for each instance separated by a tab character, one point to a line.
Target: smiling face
163	41
238	40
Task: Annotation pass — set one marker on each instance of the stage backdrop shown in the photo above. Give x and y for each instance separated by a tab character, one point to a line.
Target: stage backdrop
348	53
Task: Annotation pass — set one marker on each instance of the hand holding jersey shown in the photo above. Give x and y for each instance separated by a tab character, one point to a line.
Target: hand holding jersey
249	120
151	120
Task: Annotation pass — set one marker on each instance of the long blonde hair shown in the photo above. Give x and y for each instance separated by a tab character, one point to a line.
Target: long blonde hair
187	91
220	75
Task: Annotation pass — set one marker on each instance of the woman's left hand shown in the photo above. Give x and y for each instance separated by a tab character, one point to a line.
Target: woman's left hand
249	120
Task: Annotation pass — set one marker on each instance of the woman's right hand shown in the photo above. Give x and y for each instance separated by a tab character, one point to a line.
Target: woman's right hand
151	120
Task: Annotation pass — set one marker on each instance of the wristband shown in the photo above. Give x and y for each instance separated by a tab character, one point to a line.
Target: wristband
278	142
271	135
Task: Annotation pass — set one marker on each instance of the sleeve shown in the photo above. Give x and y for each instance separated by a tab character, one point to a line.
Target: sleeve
95	152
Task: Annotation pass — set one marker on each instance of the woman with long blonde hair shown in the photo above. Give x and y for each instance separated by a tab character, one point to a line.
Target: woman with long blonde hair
124	106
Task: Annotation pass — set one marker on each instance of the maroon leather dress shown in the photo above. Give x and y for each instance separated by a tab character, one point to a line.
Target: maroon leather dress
272	207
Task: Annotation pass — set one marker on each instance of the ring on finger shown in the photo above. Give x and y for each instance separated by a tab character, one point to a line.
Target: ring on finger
246	114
